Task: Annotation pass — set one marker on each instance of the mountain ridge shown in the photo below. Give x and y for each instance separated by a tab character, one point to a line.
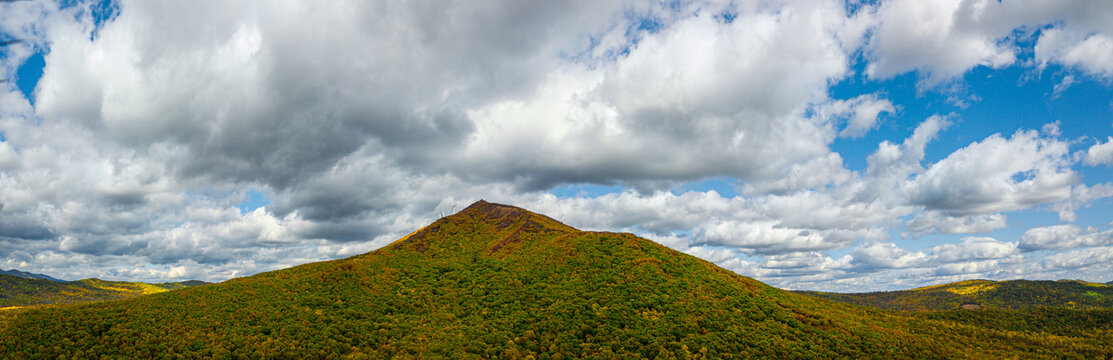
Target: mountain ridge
24	274
20	291
979	293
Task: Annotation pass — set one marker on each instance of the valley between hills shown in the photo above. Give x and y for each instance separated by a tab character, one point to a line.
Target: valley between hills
26	291
499	282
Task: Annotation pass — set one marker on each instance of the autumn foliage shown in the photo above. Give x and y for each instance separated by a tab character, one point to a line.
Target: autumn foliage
499	282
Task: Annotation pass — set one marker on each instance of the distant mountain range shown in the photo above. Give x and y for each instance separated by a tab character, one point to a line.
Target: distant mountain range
26	291
24	274
975	294
497	281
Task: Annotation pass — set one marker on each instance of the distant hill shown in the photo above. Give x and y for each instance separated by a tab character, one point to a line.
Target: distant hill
24	274
22	291
497	281
189	283
975	294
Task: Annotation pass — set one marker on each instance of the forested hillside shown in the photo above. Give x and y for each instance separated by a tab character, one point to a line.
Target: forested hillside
21	291
1012	294
496	281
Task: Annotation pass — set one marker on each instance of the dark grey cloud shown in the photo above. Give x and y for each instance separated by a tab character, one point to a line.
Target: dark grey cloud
261	95
24	226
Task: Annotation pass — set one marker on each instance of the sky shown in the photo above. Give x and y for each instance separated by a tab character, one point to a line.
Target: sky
822	145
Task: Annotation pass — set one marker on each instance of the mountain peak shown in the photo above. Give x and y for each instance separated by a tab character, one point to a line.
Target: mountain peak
501	228
508	217
490	210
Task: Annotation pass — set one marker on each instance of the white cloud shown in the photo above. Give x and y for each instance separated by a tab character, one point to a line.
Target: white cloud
1096	258
1092	54
827	210
9	158
866	112
711	254
805	263
968	268
1063	237
702	67
1081	197
891	164
732	95
973	256
974	248
935	222
1063	85
943	39
886	256
995	175
762	236
1100	154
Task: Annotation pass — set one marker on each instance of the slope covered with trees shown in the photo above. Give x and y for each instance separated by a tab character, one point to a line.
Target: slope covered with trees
23	291
496	281
1012	294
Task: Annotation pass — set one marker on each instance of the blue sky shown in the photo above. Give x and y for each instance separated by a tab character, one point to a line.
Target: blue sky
811	145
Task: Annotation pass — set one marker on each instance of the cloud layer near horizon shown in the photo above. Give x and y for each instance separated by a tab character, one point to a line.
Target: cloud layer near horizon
360	122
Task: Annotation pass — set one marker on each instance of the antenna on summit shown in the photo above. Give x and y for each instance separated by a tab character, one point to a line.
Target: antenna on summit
453	209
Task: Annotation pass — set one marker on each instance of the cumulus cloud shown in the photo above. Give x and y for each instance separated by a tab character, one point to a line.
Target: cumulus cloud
807	266
935	222
1092	54
943	39
1081	197
712	254
1064	237
967	191
997	174
764	236
891	164
974	248
1099	258
861	114
1100	154
886	256
971	256
709	90
254	97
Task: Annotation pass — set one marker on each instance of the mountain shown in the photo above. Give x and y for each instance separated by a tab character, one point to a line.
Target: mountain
22	291
24	274
975	294
189	283
497	281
